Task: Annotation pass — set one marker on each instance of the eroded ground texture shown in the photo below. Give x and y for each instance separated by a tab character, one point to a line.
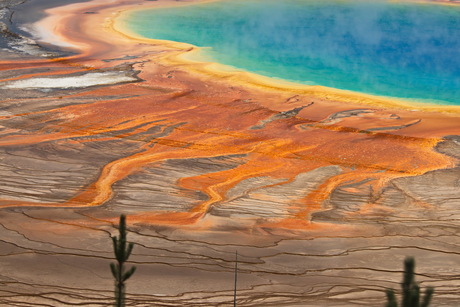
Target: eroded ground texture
322	199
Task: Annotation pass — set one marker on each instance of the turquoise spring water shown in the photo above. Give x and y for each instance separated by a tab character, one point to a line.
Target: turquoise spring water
409	51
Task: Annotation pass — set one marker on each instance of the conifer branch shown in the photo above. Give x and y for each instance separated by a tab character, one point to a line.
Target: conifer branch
122	254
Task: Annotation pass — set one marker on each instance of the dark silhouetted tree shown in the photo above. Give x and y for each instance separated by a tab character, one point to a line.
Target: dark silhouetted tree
122	250
410	289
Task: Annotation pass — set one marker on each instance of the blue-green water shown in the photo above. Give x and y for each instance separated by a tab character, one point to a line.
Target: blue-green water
410	51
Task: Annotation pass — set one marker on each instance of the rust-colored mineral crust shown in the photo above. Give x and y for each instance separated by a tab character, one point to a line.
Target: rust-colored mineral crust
322	192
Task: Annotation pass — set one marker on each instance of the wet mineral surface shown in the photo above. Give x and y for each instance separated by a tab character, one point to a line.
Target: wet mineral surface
321	196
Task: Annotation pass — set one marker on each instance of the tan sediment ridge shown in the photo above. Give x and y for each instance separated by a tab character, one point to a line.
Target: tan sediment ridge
322	192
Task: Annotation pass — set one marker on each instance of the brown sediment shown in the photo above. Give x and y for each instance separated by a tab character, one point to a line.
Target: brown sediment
322	193
200	110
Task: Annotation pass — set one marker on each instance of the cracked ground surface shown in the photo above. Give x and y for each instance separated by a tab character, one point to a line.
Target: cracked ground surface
321	197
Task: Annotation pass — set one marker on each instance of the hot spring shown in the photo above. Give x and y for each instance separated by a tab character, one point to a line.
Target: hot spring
394	49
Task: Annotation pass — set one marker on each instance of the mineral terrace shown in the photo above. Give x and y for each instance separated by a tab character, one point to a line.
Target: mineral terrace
322	194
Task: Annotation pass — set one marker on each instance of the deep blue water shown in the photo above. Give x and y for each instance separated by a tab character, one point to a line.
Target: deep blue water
400	50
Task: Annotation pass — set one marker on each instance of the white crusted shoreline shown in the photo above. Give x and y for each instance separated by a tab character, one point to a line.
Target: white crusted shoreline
86	80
